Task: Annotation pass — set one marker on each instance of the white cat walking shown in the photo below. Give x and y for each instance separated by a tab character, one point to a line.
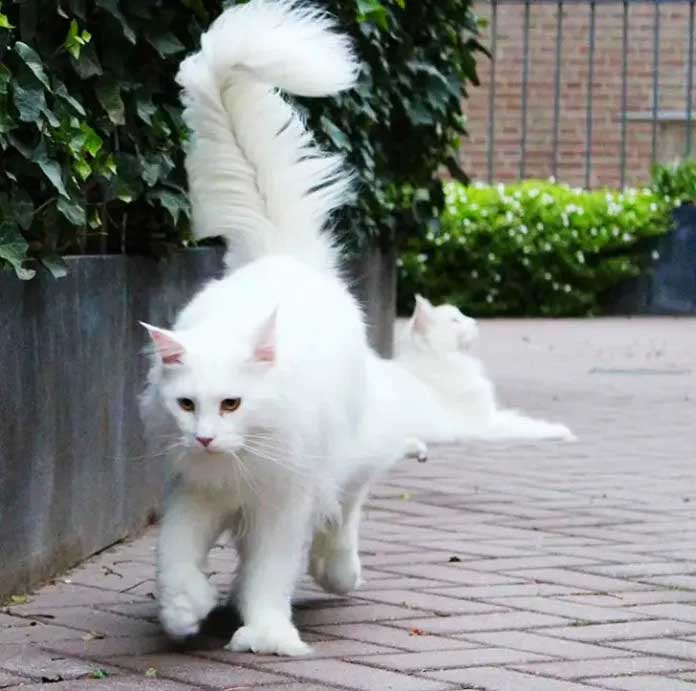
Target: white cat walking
266	372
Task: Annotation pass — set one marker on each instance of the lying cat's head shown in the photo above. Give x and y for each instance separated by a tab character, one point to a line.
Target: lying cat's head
443	327
217	390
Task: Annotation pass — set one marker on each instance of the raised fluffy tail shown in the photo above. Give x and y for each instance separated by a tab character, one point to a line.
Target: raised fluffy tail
256	177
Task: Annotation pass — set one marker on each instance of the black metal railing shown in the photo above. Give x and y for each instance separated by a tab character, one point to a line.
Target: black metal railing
590	107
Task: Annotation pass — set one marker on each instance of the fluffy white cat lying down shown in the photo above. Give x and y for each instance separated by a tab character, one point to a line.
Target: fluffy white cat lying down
432	345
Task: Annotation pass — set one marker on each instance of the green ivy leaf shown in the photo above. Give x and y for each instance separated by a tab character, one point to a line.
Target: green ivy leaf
166	44
62	93
109	96
374	12
112	7
145	107
20	209
92	141
32	60
83	169
88	64
55	264
336	135
29	99
5	77
13	249
174	203
50	168
73	211
76	39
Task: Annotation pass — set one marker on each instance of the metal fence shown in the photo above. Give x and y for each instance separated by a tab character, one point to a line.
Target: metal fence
593	27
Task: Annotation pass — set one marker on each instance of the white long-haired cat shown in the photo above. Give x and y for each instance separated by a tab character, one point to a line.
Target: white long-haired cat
283	413
432	345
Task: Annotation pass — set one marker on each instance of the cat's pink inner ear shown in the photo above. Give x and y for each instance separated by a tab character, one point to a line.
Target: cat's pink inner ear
421	315
169	348
265	346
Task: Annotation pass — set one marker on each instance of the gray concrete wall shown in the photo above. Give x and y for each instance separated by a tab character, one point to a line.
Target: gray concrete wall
375	286
74	472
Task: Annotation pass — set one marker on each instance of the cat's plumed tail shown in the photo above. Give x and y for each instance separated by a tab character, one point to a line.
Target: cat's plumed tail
256	177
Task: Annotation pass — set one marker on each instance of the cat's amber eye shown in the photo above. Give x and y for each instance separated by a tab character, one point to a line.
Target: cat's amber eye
229	405
186	404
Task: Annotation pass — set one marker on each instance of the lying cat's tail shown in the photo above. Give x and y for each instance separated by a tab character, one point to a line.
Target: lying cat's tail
510	424
256	177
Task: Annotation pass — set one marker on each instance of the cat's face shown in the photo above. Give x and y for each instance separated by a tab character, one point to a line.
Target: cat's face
444	327
218	395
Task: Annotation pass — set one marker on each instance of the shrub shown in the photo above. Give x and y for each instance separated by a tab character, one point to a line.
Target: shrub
676	181
90	127
533	248
91	133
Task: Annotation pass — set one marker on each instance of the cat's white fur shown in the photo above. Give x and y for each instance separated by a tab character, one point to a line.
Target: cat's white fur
321	415
432	345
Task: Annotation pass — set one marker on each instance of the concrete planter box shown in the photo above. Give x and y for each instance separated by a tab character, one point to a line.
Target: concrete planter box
74	472
669	286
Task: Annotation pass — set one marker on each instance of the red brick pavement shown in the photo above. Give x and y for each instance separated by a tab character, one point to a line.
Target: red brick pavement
506	567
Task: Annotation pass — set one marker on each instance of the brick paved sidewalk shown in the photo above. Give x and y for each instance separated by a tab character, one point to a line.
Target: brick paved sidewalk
508	567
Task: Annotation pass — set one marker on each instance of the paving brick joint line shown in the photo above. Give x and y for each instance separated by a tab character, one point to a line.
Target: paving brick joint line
501	567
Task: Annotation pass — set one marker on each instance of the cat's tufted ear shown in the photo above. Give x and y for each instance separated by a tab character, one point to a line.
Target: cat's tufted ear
422	315
169	348
265	345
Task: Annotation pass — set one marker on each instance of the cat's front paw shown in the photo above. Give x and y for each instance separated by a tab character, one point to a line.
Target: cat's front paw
186	599
271	638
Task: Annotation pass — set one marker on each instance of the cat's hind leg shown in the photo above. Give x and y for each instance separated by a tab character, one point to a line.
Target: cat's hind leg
334	561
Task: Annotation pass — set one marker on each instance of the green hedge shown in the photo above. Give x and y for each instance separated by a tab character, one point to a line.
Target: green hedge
91	134
676	181
533	248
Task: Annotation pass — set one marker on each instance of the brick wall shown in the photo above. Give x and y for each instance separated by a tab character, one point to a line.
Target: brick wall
606	121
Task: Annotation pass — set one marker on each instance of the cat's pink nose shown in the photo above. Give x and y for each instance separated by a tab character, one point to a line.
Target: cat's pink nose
205	441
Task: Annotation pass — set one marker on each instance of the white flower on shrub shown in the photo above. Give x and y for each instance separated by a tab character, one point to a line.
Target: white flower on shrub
615	232
552	179
422	258
497	278
627	237
564	220
653	207
517	194
533	193
566	288
474	274
580	257
430	236
500	189
509	217
655	255
546	199
593	231
547	246
489	298
540	226
491	257
523	229
547	276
